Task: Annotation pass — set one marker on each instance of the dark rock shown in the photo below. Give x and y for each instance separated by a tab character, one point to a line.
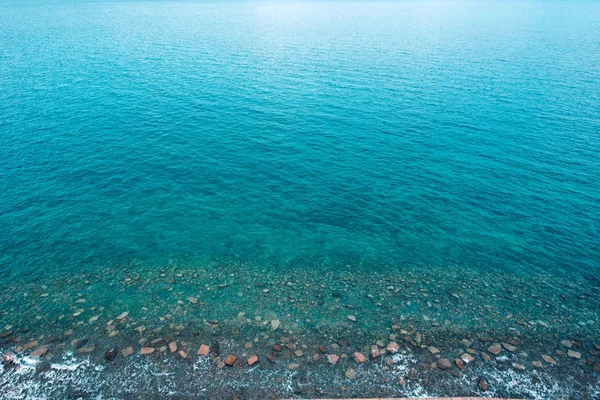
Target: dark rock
111	354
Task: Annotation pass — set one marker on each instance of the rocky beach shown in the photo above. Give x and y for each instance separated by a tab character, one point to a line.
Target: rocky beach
237	331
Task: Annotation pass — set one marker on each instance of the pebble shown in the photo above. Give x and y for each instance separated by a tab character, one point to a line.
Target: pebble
574	354
459	363
126	352
350	373
173	347
30	345
467	358
293	366
495	349
123	315
567	343
485	356
111	354
483	385
332	359
393	347
509	347
548	359
192	300
94	319
375	351
275	324
203	350
444	363
352	318
359	357
299	353
39	352
183	354
433	350
518	367
147	350
252	360
230	360
537	364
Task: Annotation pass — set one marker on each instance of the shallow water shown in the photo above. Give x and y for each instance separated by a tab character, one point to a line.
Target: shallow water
426	165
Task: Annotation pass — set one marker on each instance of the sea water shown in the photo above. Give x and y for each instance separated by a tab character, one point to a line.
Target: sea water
209	167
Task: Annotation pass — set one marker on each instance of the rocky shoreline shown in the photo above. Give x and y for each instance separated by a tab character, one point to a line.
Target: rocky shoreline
241	333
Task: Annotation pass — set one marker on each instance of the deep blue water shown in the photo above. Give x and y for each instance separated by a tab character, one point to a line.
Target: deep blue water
463	134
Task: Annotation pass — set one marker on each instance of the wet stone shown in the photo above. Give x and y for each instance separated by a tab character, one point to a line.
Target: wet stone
183	354
433	350
110	354
495	349
483	385
230	360
567	343
359	357
393	347
293	366
39	352
122	316
460	364
444	363
375	351
146	351
203	350
332	359
548	359
574	354
252	360
126	352
467	358
173	347
518	367
509	347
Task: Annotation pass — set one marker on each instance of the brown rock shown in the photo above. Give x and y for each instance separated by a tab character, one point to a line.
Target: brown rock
574	354
146	351
110	354
596	367
393	347
375	351
433	350
359	357
183	354
548	359
518	367
495	349
483	385
293	366
323	349
509	347
467	358
271	358
230	360
252	360
39	352
444	363
30	345
485	356
173	347
299	353
332	359
204	350
460	364
277	347
567	343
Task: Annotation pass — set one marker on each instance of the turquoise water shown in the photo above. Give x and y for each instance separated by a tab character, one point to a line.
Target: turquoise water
444	147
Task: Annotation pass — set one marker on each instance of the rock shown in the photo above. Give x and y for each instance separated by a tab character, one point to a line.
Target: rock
323	349
537	364
518	367
567	343
30	345
332	359
495	349
509	347
352	318
111	354
192	300
574	354
230	360
252	360
299	353
548	359
433	350
183	354
122	316
444	363
203	350
93	319
147	351
483	385
393	347
271	358
293	366
359	357
419	337
350	373
275	323
460	364
173	347
375	351
467	358
39	352
9	358
596	367
485	356
389	361
126	352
